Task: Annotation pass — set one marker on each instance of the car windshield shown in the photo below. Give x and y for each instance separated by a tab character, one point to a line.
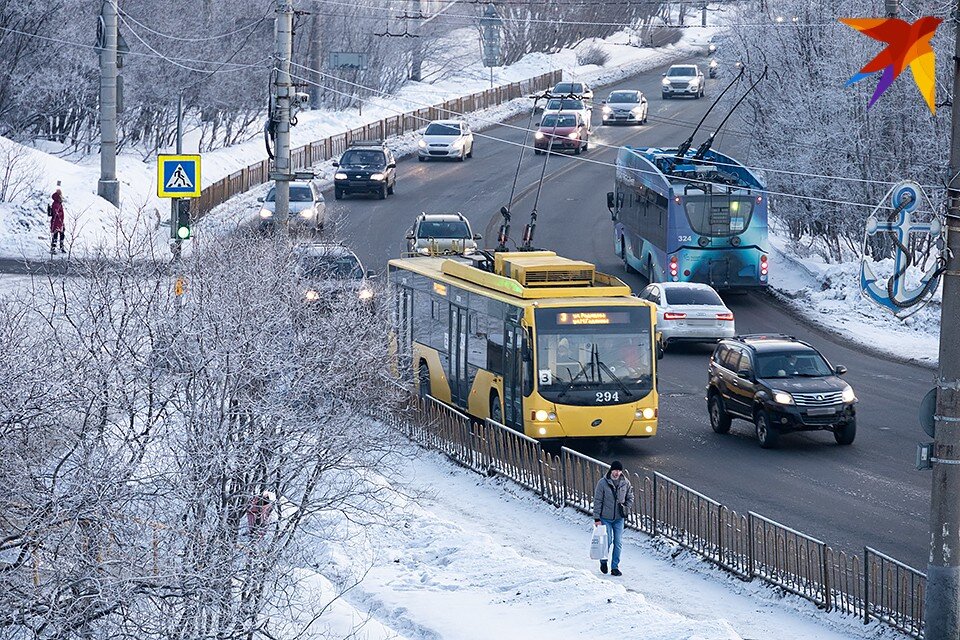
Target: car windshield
718	214
691	295
443	229
364	158
681	71
297	194
805	363
559	121
344	267
559	105
568	87
594	348
438	129
624	96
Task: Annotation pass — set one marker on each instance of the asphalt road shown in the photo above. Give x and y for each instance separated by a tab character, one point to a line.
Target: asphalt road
864	494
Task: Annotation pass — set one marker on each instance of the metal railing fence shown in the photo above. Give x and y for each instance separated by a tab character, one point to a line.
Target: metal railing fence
876	587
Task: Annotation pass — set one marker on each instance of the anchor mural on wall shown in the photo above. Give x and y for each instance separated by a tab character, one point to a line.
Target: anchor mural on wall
895	295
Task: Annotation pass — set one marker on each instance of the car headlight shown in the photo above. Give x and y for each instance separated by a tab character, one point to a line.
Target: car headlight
713	64
266	213
311	296
456	144
782	397
573	135
665	82
848	395
636	110
607	109
422	144
365	294
693	83
424	251
538	135
647	413
340	176
544	416
306	213
469	250
377	176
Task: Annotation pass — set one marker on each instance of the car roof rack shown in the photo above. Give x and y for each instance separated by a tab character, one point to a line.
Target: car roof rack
367	143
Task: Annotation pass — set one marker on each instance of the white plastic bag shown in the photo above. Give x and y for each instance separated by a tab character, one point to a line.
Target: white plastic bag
599	543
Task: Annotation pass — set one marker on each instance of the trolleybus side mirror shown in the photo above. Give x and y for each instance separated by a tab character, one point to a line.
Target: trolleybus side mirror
611	204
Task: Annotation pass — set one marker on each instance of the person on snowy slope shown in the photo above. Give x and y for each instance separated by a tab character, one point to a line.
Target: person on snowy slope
56	221
612	501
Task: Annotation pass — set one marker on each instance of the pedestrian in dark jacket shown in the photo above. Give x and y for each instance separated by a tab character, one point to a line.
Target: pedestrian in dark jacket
612	501
56	221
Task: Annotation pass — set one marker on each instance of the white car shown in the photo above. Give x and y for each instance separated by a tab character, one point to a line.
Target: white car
625	106
683	80
556	105
446	139
575	88
689	312
307	207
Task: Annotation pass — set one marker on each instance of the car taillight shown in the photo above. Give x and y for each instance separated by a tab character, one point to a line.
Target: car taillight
725	316
672	315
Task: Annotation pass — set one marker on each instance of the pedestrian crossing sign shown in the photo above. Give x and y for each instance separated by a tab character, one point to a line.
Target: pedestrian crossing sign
178	176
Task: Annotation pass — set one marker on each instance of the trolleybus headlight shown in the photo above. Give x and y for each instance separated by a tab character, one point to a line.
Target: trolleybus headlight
848	395
782	397
735	241
544	416
647	413
648	429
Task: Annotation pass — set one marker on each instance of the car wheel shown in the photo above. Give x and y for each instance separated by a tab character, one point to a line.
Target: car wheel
423	378
496	411
646	112
719	418
382	195
391	188
586	146
665	96
578	150
462	156
470	155
337	194
846	434
537	152
421	159
767	434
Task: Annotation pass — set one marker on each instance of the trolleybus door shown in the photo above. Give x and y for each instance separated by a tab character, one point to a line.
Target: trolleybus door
404	330
512	366
459	383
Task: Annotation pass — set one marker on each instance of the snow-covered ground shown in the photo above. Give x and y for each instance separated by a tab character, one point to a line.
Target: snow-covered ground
479	558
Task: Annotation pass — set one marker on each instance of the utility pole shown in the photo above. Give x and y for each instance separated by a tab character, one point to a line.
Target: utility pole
703	14
283	94
416	58
108	186
942	606
315	59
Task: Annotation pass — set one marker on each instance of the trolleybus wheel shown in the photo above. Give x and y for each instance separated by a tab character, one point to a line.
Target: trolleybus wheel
496	412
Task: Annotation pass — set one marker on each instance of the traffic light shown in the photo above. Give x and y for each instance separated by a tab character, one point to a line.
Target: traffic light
181	230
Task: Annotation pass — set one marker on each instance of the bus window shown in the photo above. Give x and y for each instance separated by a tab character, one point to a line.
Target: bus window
718	214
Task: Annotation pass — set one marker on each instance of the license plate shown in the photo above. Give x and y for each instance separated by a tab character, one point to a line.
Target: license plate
821	411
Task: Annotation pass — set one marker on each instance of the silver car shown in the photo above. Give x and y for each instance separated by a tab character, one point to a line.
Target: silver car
683	80
625	106
446	139
308	210
441	234
689	311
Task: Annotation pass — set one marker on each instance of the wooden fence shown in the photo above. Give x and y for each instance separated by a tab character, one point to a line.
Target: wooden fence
749	546
331	147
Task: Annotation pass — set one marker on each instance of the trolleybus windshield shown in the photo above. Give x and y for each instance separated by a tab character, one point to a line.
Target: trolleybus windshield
594	355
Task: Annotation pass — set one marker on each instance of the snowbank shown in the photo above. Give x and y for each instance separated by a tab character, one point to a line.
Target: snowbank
480	558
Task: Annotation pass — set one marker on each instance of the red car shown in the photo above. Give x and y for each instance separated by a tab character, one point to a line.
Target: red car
565	130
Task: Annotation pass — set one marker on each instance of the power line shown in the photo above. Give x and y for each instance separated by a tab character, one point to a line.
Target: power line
768	192
600	144
219	36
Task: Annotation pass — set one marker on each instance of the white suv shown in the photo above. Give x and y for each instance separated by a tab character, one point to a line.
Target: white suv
683	80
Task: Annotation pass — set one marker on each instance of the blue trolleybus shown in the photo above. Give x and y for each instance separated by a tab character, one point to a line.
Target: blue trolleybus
690	219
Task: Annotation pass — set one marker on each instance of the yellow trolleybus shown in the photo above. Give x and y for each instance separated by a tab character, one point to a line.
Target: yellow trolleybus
543	344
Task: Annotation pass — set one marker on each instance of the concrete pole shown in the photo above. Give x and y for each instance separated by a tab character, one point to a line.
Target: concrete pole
942	606
315	59
416	58
108	187
283	92
703	15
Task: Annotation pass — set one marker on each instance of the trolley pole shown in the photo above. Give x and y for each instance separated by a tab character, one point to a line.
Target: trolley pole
108	187
283	95
942	606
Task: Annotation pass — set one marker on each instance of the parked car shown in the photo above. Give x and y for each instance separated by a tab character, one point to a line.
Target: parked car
689	312
564	130
308	210
365	167
441	234
683	80
780	384
329	272
575	88
446	139
625	106
556	105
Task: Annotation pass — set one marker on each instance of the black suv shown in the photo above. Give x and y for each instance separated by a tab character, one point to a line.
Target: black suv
780	384
365	167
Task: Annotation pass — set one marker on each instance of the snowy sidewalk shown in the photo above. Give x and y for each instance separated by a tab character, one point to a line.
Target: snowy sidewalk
482	559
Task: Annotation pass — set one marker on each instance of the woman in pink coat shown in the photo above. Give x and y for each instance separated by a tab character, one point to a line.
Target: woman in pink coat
56	221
